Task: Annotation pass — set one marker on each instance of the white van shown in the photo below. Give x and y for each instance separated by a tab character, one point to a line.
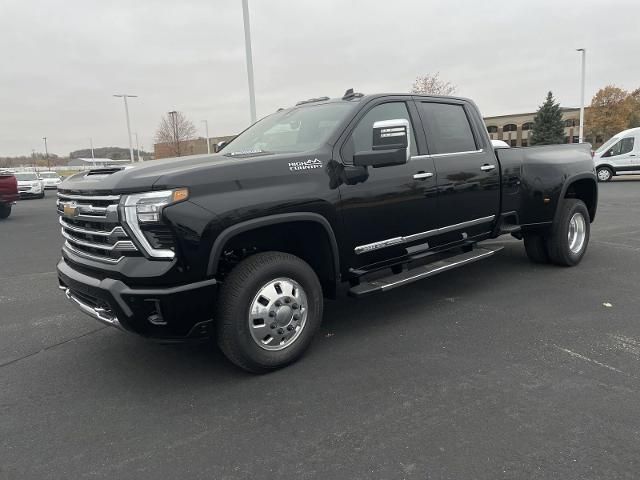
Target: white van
620	155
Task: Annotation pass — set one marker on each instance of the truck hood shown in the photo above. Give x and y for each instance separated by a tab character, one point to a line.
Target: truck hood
138	177
176	172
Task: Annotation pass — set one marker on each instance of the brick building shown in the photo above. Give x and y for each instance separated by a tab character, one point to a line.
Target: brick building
196	146
516	129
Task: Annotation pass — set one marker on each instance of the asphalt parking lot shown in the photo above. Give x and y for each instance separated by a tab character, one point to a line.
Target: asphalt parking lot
503	369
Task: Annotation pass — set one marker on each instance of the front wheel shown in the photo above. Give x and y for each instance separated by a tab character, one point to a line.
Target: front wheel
5	211
604	174
269	308
570	232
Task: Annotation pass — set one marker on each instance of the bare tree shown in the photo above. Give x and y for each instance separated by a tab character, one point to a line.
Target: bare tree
173	129
432	84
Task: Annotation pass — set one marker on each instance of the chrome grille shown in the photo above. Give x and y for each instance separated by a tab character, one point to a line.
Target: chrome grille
91	227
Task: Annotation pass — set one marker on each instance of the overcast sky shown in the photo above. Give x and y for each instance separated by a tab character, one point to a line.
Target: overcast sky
63	60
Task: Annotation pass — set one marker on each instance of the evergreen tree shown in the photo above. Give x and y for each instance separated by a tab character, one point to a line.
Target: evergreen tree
548	127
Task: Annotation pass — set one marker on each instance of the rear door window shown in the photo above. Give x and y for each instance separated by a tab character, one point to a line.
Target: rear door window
447	127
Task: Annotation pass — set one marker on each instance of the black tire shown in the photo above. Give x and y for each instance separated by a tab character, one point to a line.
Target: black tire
42	194
604	174
234	303
5	211
558	242
536	248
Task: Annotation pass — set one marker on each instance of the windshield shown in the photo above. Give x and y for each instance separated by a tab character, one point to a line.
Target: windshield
49	175
296	130
26	176
605	146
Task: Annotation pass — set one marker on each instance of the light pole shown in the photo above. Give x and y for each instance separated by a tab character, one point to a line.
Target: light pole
46	153
206	132
247	45
93	157
137	147
174	122
584	54
126	111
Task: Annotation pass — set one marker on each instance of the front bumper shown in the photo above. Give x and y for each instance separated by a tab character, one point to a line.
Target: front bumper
173	313
30	193
10	199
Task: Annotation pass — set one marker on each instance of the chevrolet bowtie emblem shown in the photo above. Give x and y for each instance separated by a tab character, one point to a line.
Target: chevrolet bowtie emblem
71	209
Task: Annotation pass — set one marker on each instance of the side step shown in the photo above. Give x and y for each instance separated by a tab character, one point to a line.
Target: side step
507	228
424	271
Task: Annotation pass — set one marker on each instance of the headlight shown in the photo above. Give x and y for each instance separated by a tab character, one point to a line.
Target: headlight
145	209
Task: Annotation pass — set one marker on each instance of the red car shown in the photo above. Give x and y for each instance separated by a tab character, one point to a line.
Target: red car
8	193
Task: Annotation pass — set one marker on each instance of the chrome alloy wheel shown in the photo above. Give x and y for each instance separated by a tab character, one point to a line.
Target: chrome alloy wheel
278	314
577	233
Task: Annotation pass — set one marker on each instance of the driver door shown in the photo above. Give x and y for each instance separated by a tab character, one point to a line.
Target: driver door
393	201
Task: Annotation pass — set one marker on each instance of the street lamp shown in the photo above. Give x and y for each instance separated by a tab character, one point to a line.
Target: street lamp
137	147
584	54
247	45
126	111
46	153
174	122
206	132
91	145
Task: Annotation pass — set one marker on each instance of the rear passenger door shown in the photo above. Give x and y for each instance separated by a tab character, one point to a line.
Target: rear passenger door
468	174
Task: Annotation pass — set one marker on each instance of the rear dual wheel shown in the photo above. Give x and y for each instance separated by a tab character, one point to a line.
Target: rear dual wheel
269	308
567	241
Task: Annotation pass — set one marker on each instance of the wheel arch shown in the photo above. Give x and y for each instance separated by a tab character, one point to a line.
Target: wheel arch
329	278
582	187
606	165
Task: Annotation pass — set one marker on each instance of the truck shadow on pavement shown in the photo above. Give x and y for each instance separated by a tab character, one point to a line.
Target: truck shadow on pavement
145	364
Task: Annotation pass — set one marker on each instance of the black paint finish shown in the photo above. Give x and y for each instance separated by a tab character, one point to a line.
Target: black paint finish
351	205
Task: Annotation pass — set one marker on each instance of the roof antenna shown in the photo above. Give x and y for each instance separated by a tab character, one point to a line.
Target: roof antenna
349	94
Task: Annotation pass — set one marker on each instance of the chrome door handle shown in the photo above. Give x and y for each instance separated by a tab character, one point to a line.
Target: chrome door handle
422	175
486	168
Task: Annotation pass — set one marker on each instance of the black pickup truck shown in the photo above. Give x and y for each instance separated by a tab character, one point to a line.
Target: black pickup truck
363	192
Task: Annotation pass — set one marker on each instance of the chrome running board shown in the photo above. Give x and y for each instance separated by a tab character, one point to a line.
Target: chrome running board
423	271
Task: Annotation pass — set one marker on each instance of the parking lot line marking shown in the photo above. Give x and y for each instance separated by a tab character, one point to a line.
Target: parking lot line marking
587	359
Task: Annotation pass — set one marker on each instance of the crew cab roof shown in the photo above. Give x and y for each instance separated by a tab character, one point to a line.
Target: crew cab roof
368	97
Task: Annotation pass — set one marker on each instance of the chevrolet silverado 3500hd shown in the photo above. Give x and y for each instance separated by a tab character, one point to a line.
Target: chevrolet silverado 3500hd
368	191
